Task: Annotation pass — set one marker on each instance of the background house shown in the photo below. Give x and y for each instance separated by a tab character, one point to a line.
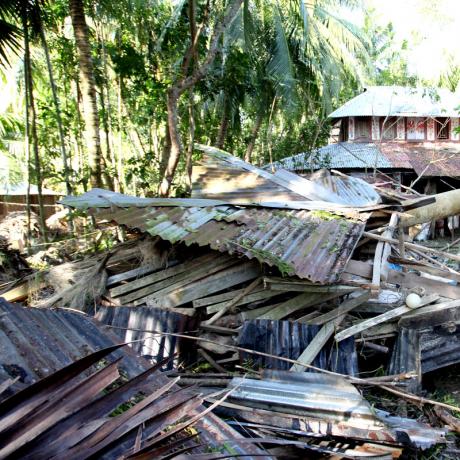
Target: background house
14	197
410	134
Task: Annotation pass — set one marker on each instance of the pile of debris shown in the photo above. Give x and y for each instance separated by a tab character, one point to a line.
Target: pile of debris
261	277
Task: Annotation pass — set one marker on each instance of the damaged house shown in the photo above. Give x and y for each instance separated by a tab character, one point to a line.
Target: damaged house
264	276
405	134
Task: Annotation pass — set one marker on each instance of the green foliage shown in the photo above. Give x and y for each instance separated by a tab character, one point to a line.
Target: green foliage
281	67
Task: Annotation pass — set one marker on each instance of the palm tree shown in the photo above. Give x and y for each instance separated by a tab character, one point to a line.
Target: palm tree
88	90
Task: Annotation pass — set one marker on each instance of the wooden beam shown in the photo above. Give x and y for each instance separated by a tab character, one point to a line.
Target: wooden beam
412	245
211	284
366	324
433	315
342	309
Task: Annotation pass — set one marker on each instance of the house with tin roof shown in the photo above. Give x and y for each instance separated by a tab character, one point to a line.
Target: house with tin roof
404	132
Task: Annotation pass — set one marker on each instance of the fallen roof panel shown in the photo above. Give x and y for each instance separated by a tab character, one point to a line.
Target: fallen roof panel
37	342
314	245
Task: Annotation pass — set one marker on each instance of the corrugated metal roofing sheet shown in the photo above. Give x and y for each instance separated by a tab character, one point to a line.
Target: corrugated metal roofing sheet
34	343
326	397
400	101
343	155
289	339
130	323
37	342
314	245
433	159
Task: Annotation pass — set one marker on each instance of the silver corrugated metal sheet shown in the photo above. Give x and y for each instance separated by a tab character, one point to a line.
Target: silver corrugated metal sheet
326	406
400	101
130	323
343	155
352	190
312	245
322	395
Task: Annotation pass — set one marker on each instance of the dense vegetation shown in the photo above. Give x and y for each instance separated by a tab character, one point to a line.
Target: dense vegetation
114	94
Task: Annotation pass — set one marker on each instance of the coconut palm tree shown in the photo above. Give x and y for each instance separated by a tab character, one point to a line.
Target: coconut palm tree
88	89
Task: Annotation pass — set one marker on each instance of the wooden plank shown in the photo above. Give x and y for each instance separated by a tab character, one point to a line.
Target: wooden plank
176	281
318	342
211	284
426	268
218	329
136	273
366	324
412	280
231	304
256	296
433	315
299	302
358	268
447	255
256	313
161	275
306	318
215	299
342	309
23	290
339	289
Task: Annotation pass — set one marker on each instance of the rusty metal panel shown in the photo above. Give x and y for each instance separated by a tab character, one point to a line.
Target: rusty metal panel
430	158
314	245
37	342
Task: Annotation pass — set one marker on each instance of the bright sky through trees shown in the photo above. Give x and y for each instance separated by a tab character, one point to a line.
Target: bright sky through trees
432	29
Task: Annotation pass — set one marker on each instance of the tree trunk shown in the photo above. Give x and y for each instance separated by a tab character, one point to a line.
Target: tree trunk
57	109
223	127
189	156
88	87
176	142
254	135
187	83
33	128
447	204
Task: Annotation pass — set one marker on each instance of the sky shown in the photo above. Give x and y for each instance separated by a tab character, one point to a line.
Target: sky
432	28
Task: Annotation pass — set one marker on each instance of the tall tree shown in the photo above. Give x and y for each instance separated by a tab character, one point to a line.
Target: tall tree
88	91
187	82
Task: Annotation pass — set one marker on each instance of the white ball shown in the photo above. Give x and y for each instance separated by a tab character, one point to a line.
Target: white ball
413	300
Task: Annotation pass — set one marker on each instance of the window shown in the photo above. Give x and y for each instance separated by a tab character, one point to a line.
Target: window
389	125
415	129
442	128
362	128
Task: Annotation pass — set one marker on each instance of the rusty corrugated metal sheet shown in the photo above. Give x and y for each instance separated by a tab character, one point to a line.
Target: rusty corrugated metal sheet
313	245
433	159
35	343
